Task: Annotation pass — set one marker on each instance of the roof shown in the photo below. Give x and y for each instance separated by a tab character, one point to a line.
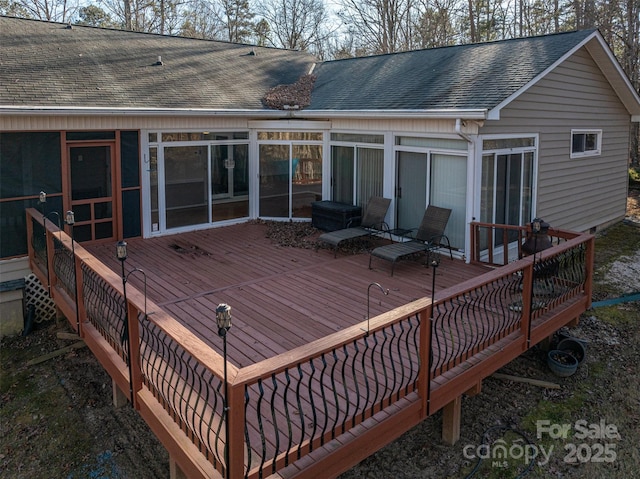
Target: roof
46	66
50	65
475	76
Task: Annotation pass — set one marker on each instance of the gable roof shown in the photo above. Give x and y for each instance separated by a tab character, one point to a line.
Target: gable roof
475	78
50	65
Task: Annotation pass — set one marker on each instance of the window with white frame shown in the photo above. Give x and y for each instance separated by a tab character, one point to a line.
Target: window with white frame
585	143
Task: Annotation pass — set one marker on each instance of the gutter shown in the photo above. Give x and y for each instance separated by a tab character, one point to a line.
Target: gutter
479	114
92	111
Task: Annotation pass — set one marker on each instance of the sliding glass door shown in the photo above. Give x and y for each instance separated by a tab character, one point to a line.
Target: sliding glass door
507	190
437	179
197	178
357	174
290	172
185	185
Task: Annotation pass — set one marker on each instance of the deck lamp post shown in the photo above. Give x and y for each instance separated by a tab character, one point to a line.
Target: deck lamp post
223	319
70	220
42	200
121	254
384	291
434	261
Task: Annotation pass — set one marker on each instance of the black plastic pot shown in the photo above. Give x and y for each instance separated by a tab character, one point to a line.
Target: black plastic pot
562	363
573	346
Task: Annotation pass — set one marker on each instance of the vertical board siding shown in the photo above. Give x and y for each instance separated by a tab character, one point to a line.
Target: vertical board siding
115	122
578	193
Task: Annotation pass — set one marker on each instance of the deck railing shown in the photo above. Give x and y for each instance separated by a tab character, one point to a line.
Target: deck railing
285	407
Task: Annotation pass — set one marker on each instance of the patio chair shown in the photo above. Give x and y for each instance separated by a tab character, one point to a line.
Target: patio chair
372	222
428	236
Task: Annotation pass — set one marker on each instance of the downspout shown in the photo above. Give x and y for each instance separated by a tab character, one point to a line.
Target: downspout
458	130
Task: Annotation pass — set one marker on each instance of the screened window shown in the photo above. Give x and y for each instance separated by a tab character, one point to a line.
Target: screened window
444	143
585	143
200	135
290	135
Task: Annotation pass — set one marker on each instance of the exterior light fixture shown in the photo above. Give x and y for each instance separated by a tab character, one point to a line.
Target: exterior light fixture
537	240
42	197
223	318
121	252
70	218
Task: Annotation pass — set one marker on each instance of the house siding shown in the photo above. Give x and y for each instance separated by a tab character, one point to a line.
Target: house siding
579	193
109	122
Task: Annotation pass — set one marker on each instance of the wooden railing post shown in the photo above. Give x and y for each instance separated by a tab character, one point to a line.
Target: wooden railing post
30	250
589	265
235	441
51	251
424	375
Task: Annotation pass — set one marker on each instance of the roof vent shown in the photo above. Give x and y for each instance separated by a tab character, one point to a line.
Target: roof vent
252	53
69	26
159	62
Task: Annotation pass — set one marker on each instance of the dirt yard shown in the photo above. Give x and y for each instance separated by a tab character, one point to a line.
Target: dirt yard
57	420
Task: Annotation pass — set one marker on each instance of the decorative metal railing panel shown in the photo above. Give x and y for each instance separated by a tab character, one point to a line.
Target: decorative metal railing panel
558	278
64	268
472	320
105	308
189	392
291	412
295	403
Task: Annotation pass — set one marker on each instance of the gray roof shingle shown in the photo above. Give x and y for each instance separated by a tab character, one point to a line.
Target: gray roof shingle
47	64
476	76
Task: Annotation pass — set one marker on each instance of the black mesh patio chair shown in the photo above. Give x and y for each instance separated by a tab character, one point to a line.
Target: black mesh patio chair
372	222
428	236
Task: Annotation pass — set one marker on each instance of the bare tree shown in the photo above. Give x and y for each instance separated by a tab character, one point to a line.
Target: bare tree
52	11
238	19
295	24
381	26
203	20
436	23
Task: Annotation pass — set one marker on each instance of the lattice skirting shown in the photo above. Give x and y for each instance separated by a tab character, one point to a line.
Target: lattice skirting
37	295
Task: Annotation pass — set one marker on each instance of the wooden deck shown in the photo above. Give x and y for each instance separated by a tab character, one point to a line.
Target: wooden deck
312	386
281	297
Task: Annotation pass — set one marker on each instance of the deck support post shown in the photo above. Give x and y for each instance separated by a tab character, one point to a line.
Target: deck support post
451	416
474	390
120	399
174	470
574	322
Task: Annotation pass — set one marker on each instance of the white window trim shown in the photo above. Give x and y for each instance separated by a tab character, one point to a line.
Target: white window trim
581	154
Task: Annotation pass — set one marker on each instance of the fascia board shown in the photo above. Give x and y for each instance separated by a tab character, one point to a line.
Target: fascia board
467	114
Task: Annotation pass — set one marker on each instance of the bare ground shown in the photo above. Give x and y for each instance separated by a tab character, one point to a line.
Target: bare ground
57	420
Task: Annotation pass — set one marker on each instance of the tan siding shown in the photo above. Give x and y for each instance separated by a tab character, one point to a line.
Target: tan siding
578	193
417	126
81	122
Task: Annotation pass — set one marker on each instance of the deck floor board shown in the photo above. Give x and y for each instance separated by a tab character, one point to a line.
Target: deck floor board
281	297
